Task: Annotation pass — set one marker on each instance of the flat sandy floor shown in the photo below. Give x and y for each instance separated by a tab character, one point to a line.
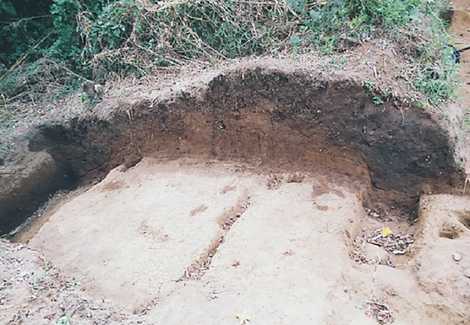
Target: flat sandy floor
183	242
158	228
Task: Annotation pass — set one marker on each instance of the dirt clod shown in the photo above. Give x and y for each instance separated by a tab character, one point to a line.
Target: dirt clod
457	257
380	312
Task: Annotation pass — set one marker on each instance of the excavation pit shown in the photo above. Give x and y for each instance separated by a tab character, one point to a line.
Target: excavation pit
266	117
240	195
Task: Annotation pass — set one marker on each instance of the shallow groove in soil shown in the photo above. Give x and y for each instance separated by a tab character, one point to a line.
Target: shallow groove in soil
198	268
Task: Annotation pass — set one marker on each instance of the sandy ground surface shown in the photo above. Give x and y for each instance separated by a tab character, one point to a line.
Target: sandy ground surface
136	233
187	242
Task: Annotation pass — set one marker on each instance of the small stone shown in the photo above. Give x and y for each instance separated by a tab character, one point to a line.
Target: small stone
456	257
466	272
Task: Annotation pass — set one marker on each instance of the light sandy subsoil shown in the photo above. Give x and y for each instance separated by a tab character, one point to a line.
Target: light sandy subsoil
442	260
188	242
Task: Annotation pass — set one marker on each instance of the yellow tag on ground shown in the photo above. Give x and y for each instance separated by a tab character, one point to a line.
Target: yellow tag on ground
386	231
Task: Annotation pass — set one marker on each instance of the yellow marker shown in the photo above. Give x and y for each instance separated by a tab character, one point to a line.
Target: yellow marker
386	231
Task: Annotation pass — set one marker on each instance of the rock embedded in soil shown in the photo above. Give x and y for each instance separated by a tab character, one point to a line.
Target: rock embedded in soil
466	272
457	257
25	185
376	253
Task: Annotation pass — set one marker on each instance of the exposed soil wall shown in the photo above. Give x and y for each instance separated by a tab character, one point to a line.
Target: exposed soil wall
272	118
26	185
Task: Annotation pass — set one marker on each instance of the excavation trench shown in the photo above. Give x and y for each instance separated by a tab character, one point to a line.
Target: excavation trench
211	192
270	119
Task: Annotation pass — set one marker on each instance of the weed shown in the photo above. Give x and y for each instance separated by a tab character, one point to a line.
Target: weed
70	86
377	100
338	63
419	104
378	96
437	70
438	80
64	320
5	115
96	38
89	101
466	121
369	86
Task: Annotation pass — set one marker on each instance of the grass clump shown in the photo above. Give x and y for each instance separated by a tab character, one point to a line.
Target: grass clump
438	81
437	73
378	96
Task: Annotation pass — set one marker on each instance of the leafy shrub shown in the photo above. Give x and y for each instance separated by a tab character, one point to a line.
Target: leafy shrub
22	24
437	75
94	38
67	44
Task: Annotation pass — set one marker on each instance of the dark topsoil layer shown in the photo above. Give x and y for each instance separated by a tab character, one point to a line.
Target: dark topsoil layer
272	116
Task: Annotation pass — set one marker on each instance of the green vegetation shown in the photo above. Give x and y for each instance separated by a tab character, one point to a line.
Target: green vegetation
373	92
377	95
72	40
467	118
437	76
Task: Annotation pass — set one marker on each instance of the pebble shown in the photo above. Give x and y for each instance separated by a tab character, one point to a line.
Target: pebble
466	272
456	257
